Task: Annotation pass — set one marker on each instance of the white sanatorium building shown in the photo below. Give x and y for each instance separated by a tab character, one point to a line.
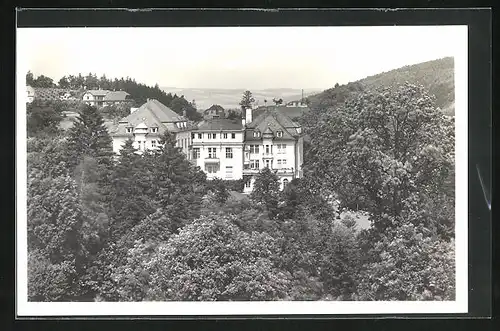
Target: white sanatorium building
227	149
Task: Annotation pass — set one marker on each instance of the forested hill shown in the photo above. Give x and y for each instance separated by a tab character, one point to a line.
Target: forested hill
139	92
436	76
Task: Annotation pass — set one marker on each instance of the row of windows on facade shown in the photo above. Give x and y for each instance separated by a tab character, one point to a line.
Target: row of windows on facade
212	153
268	149
285	183
142	144
152	130
279	134
255	164
213	135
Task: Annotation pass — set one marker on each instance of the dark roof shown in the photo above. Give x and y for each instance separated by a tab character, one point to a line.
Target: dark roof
220	124
272	120
215	107
292	112
116	96
153	114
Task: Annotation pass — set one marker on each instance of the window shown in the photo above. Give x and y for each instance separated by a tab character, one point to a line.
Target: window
279	163
248	183
200	135
279	134
229	172
192	135
129	130
254	149
214	135
211	168
256	134
225	135
267	149
285	183
153	143
254	164
233	135
209	136
154	130
212	153
283	162
196	153
229	153
281	148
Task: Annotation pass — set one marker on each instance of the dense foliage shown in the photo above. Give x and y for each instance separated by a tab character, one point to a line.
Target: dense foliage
149	226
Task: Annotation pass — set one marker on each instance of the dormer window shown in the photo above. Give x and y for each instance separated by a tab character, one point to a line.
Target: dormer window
154	130
129	129
256	134
299	130
279	134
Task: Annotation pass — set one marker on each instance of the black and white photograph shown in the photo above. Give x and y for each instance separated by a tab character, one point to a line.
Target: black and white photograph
241	170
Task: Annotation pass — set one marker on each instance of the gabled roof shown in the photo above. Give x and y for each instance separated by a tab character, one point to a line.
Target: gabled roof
217	108
116	96
271	121
220	124
153	114
98	92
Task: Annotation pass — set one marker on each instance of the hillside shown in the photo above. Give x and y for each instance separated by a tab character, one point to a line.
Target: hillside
230	98
437	76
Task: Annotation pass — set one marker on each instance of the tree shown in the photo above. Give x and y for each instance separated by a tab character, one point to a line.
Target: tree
89	136
246	100
177	182
63	82
218	187
43	81
42	119
277	102
209	260
266	191
54	238
394	148
29	79
407	264
129	202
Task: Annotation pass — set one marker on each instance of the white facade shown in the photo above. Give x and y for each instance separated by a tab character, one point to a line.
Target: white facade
218	153
283	157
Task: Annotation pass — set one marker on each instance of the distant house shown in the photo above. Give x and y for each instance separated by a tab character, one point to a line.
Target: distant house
95	97
216	111
103	98
299	103
116	97
146	124
30	94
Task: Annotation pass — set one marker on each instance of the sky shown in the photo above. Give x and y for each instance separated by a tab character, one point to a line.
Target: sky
233	57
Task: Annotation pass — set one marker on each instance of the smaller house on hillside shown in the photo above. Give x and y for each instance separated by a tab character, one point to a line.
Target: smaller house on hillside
30	94
95	97
216	111
102	98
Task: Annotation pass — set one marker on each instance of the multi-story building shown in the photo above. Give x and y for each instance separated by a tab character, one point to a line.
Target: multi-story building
217	148
274	141
146	124
222	148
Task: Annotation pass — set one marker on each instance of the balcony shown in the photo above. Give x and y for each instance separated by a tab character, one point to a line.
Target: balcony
267	155
212	159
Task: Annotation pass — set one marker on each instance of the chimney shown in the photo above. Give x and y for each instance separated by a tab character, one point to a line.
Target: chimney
184	113
248	115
